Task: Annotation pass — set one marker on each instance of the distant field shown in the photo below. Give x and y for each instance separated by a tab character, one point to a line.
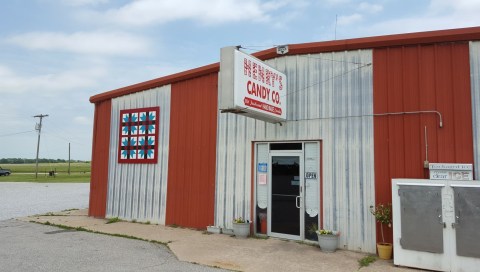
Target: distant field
78	167
79	172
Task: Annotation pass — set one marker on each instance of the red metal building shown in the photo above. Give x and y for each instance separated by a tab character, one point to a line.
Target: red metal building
360	111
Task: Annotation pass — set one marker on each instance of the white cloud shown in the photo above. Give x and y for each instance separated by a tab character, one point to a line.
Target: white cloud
98	42
337	2
151	12
349	19
77	3
458	6
440	14
370	8
49	84
82	120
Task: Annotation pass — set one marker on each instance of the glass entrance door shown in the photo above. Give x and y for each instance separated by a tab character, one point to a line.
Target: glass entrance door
286	196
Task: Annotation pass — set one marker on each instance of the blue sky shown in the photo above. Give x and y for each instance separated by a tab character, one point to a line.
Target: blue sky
55	54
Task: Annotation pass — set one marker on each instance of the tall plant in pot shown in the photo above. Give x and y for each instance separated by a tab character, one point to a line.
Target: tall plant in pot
383	215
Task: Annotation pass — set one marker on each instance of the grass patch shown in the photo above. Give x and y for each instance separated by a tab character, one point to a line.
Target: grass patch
113	220
256	236
69	210
79	172
59	178
104	233
53	214
366	261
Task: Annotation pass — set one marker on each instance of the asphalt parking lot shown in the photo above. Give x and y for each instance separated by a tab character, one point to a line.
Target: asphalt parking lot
28	198
33	247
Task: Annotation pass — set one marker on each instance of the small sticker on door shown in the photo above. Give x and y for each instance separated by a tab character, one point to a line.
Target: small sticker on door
262	167
262	179
310	175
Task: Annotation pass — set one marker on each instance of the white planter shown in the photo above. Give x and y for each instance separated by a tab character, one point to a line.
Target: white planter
241	230
328	243
214	229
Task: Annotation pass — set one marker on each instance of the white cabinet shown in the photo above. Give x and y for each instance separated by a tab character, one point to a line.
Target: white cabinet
436	224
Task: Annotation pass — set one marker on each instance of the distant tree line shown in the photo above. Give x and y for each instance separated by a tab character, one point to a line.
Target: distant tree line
43	160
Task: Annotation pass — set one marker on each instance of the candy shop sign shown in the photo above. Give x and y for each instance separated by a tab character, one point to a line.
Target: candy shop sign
259	88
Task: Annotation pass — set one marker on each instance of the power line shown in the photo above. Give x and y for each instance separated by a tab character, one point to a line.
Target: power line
252	49
331	60
328	79
260	46
16	133
440	118
65	139
320	82
305	56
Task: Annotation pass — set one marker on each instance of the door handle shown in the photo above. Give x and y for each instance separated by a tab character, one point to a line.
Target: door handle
440	221
457	222
296	202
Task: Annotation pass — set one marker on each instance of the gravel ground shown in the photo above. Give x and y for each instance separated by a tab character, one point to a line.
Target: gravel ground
19	199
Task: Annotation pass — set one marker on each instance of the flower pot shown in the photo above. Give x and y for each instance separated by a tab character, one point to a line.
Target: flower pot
241	230
384	251
328	242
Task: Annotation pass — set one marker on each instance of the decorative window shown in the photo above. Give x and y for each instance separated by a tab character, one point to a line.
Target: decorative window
138	135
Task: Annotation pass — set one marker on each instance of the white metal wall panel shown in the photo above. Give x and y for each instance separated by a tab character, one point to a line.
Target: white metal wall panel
330	97
138	191
475	79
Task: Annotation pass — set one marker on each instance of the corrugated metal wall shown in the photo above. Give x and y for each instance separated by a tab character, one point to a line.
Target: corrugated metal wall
138	191
413	78
475	79
100	149
191	172
323	89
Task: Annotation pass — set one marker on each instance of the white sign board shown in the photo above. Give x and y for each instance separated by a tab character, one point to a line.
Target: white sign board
450	171
250	87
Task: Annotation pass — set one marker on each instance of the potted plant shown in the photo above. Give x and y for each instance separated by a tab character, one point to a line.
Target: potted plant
241	227
328	240
383	215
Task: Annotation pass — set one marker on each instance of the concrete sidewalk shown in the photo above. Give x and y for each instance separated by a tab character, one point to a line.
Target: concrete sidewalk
220	250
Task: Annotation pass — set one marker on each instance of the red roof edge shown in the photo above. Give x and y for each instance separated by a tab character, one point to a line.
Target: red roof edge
200	71
428	37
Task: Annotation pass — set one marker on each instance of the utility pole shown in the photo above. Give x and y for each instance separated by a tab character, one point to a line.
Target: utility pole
69	159
39	128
